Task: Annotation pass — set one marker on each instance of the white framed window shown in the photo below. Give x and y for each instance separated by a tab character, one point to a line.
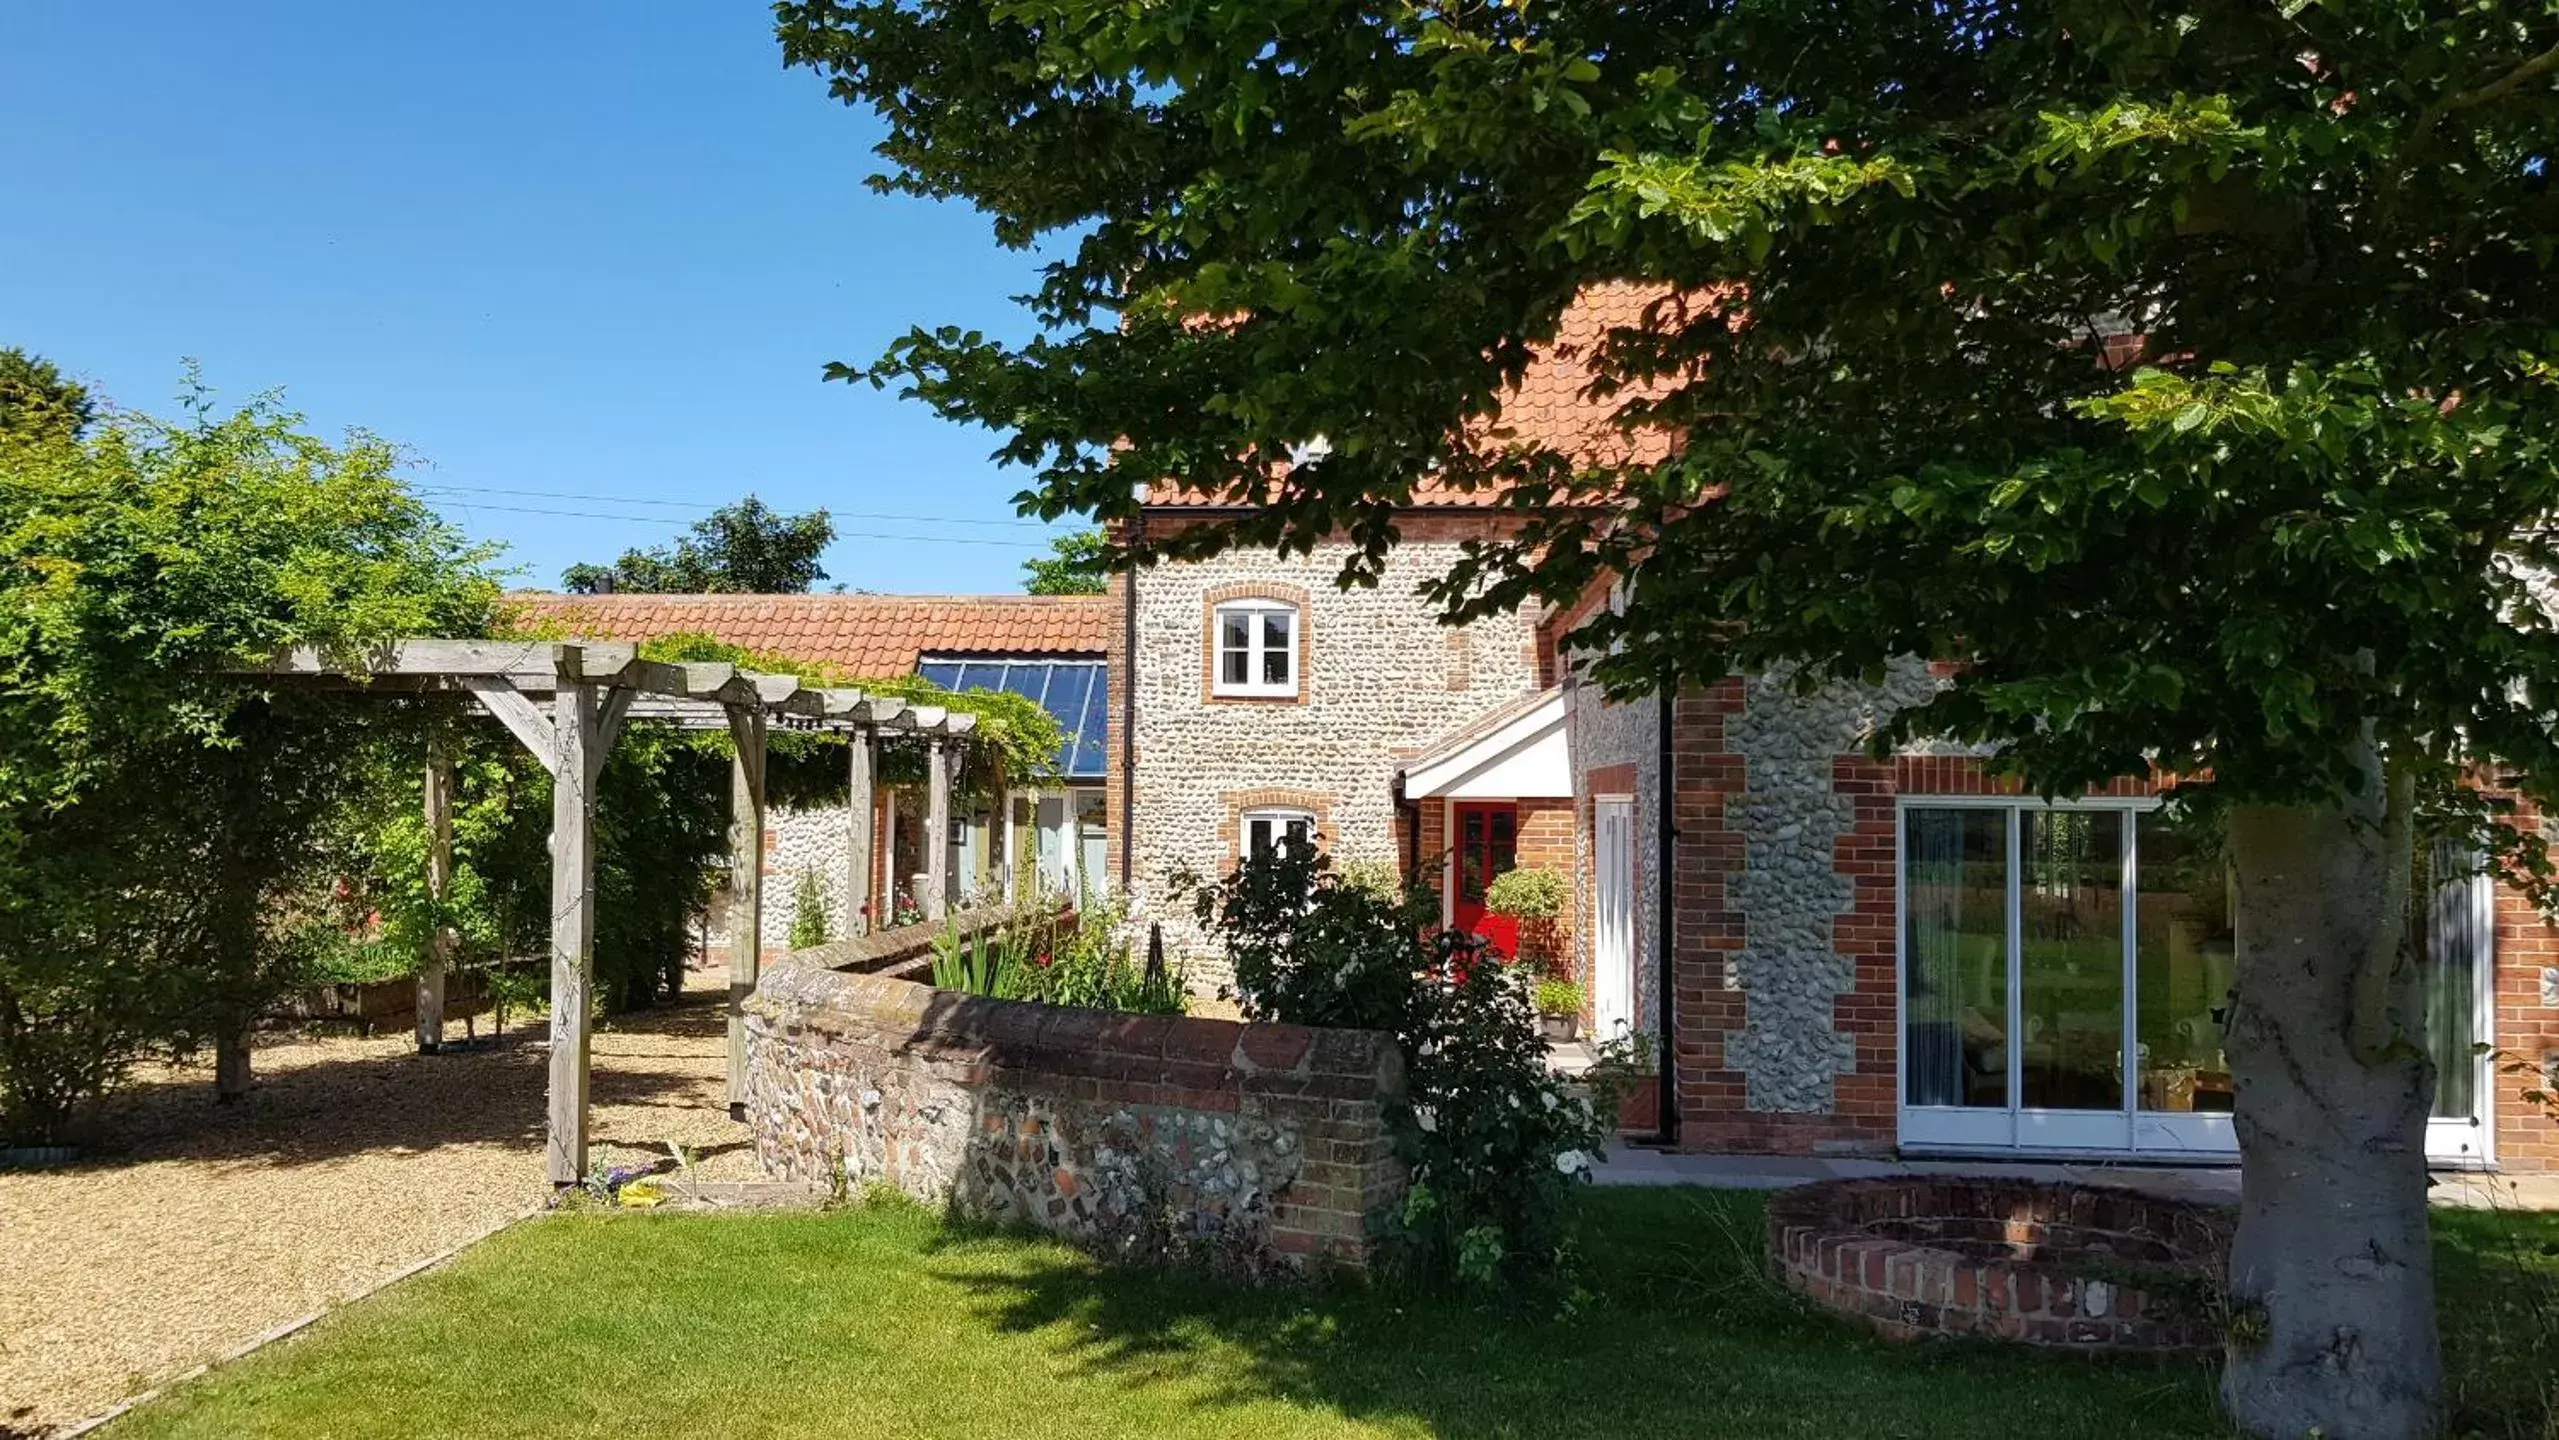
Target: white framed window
1264	831
1256	648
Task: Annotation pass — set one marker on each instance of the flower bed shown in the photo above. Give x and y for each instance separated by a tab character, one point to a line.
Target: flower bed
2068	1266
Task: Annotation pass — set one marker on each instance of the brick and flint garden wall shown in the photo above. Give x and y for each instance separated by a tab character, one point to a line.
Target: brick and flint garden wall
1262	1146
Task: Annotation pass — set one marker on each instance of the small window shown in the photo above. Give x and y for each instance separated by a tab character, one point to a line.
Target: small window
1256	648
1266	830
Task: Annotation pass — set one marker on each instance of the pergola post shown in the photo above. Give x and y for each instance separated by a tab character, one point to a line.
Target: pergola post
746	886
857	804
1009	799
576	753
937	827
439	879
566	702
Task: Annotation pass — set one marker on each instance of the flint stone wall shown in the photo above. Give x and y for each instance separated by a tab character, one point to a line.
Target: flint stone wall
1789	890
1262	1146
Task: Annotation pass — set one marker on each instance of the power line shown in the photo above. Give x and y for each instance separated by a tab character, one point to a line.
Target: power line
840	534
439	489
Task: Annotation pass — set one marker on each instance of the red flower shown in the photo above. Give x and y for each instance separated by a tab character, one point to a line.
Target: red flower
1043	961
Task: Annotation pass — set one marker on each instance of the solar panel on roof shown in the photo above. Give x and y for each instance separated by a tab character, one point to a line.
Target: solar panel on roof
1074	692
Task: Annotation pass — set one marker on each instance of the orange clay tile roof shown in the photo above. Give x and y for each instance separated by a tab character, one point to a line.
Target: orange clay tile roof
864	635
1547	409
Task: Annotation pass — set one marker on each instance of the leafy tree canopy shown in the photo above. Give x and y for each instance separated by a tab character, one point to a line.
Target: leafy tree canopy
2184	373
1078	563
2311	498
154	814
36	398
748	548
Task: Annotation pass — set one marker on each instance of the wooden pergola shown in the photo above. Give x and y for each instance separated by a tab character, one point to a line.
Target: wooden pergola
566	702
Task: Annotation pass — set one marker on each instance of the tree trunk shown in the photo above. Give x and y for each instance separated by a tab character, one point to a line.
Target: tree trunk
2332	1289
231	1055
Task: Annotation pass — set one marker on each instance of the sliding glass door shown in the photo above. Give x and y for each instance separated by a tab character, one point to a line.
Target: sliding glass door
2456	926
2067	970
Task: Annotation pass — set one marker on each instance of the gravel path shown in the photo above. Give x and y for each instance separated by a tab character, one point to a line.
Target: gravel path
197	1228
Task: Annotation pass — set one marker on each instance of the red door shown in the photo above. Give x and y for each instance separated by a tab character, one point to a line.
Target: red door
1487	845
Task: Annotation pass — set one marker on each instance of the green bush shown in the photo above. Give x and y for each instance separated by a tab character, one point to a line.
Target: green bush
1528	894
156	816
1559	997
808	913
1495	1142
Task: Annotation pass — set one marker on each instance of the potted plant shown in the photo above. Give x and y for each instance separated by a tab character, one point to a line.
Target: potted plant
1559	1008
1533	897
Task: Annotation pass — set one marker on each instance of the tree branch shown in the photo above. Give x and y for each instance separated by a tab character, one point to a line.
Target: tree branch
2478	95
2506	84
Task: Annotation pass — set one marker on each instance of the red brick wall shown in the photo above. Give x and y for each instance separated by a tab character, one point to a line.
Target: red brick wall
2526	1032
1547	842
1433	853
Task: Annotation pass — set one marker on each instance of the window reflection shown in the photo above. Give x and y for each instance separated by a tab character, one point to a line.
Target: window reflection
1956	956
2071	958
2187	962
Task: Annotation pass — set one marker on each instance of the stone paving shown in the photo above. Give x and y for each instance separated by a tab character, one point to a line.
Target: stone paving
2218	1185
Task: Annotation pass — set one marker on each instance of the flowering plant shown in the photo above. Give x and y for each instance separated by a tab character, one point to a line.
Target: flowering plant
1495	1141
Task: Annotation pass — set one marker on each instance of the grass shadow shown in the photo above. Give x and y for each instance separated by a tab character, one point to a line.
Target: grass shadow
385	1097
1678	1330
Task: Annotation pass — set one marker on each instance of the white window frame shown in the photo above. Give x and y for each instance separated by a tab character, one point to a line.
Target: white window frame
1256	648
2206	1137
1278	816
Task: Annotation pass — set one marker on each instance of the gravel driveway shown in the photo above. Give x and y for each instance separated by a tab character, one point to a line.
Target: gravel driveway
196	1229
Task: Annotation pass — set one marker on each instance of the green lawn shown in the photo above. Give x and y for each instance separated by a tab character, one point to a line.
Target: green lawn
878	1321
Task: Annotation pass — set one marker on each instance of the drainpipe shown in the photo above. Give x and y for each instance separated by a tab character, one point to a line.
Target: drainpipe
1410	810
1135	530
1666	717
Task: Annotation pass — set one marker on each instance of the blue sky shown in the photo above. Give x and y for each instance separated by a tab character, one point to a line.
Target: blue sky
559	249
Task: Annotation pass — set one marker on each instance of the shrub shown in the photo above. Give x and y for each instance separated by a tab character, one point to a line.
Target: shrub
1495	1142
808	914
1559	997
1527	894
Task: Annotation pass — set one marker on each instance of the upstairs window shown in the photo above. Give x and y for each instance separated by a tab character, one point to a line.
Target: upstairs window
1256	648
1264	831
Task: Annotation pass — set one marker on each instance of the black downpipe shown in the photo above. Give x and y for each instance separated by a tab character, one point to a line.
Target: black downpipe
1128	714
1664	887
1410	810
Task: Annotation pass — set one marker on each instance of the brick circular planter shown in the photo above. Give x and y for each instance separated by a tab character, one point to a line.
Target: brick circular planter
2067	1266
